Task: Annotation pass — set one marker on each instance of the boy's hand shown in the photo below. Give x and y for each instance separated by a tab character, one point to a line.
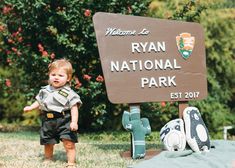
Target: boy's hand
27	109
33	106
73	126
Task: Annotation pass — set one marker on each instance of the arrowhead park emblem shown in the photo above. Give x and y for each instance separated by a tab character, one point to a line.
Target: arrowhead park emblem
185	43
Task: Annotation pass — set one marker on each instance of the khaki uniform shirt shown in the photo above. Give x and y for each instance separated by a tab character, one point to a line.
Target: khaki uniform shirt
57	100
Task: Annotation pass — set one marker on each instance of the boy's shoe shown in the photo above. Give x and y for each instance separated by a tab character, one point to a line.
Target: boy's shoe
197	135
47	161
71	165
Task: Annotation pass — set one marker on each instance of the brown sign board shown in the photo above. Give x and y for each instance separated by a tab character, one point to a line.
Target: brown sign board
149	60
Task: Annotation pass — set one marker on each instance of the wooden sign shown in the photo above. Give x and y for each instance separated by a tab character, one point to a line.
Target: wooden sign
149	60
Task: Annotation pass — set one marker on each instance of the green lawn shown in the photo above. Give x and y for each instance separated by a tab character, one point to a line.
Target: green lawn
101	150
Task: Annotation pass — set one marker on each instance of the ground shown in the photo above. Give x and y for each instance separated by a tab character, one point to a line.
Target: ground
22	149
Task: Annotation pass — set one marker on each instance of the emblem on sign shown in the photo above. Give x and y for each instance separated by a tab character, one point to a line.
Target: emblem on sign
185	43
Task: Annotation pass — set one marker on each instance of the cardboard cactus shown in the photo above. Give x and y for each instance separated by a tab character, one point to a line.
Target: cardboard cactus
139	127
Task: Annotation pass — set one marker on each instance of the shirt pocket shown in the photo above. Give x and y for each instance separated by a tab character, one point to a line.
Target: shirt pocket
60	99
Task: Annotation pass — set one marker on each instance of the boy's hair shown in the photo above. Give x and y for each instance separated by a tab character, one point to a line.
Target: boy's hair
64	64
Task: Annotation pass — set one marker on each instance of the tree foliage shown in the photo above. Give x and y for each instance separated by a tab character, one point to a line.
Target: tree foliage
35	32
217	18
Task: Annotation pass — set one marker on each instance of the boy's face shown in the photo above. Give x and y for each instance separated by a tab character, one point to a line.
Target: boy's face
58	77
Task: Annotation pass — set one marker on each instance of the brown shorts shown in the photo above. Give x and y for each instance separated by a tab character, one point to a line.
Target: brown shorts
56	129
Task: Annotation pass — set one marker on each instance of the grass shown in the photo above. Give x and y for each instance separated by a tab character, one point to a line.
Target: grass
100	150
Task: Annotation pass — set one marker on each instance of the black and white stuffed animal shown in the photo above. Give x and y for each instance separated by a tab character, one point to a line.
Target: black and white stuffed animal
173	136
197	135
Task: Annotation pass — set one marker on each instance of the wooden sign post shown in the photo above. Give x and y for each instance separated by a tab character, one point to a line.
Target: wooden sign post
182	106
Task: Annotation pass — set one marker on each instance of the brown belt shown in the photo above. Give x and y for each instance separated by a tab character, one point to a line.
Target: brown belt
52	114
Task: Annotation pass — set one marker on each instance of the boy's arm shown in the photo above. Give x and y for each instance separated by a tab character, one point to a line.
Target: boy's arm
74	118
33	106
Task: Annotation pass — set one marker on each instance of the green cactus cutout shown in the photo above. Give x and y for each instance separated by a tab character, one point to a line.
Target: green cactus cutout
139	128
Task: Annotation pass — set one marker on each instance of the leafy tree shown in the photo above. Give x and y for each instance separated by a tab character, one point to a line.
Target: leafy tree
221	63
36	32
217	18
64	28
11	99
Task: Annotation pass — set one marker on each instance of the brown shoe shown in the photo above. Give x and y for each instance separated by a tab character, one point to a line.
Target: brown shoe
71	165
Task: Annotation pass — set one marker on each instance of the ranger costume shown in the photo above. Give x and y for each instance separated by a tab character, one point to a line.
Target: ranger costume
55	105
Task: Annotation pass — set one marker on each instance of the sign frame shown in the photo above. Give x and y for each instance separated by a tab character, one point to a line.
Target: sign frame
142	60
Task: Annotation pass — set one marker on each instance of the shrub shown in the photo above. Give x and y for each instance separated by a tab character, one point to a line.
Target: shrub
217	19
58	29
64	28
12	100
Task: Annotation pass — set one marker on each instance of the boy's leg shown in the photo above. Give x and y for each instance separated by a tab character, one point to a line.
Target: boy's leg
48	151
70	150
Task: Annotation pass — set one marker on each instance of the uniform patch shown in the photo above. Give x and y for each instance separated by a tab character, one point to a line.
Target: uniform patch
63	93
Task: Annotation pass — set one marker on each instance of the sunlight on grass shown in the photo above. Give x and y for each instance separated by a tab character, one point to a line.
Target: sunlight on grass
22	149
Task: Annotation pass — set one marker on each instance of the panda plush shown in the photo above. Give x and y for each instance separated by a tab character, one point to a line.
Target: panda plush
197	135
173	136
